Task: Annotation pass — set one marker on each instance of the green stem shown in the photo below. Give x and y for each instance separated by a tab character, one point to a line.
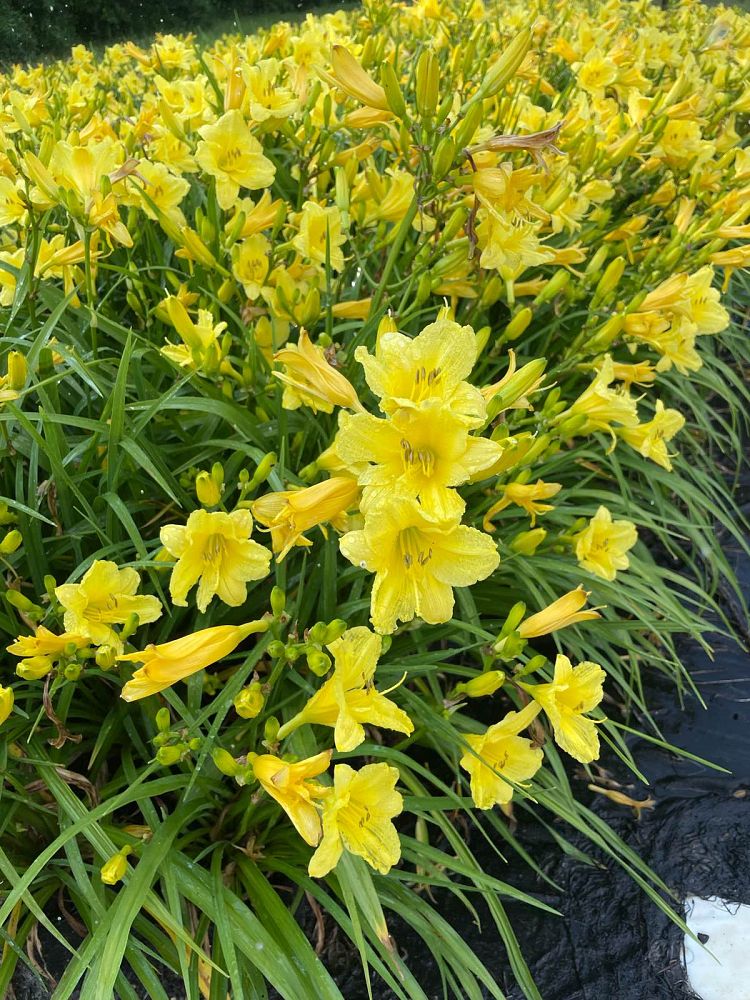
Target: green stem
398	242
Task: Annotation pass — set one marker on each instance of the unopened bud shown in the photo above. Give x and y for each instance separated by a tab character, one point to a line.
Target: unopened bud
105	657
392	88
504	69
17	370
527	542
319	662
278	602
248	703
518	324
170	755
207	490
427	83
11	542
483	685
610	279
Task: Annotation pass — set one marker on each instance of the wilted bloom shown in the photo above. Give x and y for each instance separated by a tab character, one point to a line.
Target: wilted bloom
417	561
173	661
214	550
290	513
230	153
650	439
500	756
310	380
602	545
106	596
525	495
291	785
566	610
348	700
114	870
357	817
6	703
46	643
572	693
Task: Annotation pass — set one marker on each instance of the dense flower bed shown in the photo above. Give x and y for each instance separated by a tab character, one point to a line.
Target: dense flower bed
369	387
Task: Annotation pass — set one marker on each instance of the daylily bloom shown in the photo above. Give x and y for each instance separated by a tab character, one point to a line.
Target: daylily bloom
525	495
200	349
417	560
289	513
415	452
173	661
500	756
565	611
357	815
215	551
650	439
572	692
250	263
602	545
291	785
46	643
230	153
320	236
603	406
106	596
348	700
6	703
310	380
352	78
435	364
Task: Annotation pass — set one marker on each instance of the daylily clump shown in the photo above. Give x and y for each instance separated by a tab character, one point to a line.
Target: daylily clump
366	384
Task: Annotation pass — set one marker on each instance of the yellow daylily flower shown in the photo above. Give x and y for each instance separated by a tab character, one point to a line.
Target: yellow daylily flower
650	439
230	153
214	550
290	513
250	263
291	785
565	611
200	349
46	643
348	700
106	596
415	452
320	235
435	364
500	756
417	561
6	703
602	545
603	406
357	815
169	662
310	380
525	495
572	692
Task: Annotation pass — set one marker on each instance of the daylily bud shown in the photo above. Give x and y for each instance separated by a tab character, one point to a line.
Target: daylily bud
504	69
278	602
249	702
34	667
271	730
163	720
226	763
464	131
22	603
483	685
556	283
105	657
319	662
6	703
17	370
427	83
521	382
597	262
113	870
445	154
392	88
170	755
263	470
610	279
206	490
11	542
527	542
518	324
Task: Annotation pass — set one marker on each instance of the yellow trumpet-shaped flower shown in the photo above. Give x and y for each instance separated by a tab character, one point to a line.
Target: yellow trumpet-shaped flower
602	545
6	703
173	661
310	380
291	785
525	495
230	153
572	693
415	452
250	263
46	643
500	756
200	349
434	365
650	439
603	406
215	551
354	81
348	700
106	596
566	610
357	817
320	237
290	513
417	561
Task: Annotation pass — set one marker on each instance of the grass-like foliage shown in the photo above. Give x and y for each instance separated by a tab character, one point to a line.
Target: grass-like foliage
372	390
